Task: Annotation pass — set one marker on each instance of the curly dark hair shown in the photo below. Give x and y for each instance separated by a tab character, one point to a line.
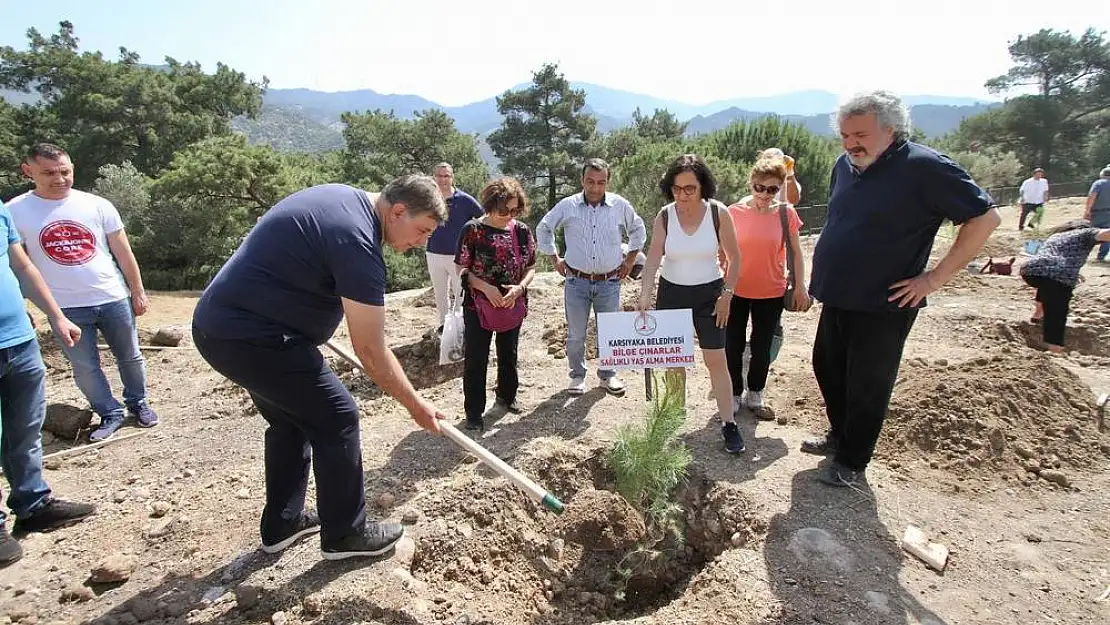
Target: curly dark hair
498	192
694	164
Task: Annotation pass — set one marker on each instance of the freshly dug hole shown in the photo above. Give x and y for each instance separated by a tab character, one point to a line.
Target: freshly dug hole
484	535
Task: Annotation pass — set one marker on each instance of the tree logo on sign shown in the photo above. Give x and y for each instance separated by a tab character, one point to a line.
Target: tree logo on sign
645	325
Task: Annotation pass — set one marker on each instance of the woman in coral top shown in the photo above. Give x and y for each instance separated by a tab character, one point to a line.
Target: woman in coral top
762	282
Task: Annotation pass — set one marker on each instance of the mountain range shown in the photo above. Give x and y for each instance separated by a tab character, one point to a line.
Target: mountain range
309	120
614	107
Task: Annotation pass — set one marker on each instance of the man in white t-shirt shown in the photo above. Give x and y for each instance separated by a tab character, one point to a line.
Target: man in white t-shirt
1032	196
75	240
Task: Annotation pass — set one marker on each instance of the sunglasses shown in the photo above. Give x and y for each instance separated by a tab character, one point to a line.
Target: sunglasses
771	188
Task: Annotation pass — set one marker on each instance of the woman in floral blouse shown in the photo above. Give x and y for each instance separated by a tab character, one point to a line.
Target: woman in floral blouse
497	255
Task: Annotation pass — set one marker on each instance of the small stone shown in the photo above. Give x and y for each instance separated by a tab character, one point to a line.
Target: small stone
246	597
1056	477
18	614
555	548
941	362
279	618
386	500
131	479
312	606
160	529
142	494
113	569
77	593
119	496
169	336
405	551
782	419
159	509
244	493
410	516
737	539
188	473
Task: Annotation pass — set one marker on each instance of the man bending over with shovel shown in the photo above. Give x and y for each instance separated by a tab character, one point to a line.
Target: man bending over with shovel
312	258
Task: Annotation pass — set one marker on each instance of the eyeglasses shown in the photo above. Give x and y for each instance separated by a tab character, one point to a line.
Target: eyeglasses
771	188
689	189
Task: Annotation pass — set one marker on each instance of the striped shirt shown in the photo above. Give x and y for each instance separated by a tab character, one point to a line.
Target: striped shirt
593	234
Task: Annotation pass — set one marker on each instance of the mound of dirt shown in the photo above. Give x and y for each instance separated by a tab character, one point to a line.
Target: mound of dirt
1010	413
601	520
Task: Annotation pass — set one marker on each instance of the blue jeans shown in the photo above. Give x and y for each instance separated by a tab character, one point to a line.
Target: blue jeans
580	294
116	321
22	410
1101	219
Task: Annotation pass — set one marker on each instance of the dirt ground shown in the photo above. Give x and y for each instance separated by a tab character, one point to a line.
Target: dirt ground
992	448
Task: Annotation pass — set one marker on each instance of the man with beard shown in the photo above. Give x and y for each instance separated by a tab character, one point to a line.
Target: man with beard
887	199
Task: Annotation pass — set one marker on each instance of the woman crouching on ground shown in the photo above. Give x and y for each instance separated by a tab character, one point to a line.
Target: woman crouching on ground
1054	272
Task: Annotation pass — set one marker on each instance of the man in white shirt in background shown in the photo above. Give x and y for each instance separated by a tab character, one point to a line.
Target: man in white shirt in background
1032	196
75	239
594	262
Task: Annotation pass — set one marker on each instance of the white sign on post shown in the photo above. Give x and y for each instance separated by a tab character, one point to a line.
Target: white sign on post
656	339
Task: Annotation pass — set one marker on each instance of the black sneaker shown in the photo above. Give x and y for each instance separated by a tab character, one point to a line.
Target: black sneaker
734	443
55	514
475	424
840	476
375	540
309	523
821	445
10	550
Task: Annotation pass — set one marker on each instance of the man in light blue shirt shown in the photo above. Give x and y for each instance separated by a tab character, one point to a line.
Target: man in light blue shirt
23	395
595	224
1098	208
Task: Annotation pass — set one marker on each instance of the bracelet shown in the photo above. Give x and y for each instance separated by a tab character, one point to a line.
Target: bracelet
729	291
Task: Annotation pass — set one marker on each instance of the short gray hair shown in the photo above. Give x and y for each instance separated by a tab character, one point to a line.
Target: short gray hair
419	194
443	164
888	108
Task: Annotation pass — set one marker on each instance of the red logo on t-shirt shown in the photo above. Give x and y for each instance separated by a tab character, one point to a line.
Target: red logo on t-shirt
68	242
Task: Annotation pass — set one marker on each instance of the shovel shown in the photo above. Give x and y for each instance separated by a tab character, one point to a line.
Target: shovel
1102	401
532	489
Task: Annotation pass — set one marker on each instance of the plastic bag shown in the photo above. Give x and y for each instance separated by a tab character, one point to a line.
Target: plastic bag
451	341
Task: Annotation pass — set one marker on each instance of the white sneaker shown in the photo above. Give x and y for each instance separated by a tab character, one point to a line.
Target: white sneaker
753	399
577	386
613	386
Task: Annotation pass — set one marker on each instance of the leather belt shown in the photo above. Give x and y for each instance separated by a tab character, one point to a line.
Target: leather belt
595	277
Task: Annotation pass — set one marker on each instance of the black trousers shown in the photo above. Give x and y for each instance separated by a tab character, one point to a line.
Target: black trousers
1055	297
1026	210
476	361
312	420
765	315
855	359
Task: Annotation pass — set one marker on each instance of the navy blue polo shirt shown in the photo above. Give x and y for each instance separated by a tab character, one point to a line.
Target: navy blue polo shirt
286	280
461	208
882	223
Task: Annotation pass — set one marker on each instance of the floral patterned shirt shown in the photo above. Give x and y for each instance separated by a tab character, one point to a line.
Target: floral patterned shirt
1062	256
487	253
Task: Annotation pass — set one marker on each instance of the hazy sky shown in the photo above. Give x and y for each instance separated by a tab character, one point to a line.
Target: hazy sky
462	51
